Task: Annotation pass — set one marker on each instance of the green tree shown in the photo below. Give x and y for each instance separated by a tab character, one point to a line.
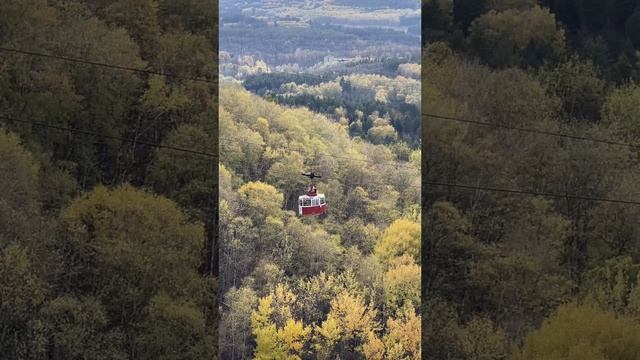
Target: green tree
481	339
174	329
22	293
440	337
78	329
613	285
579	85
285	174
236	332
140	18
501	38
621	110
18	190
186	54
186	179
197	16
356	233
126	247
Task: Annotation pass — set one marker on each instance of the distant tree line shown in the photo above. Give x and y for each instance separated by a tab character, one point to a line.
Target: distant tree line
528	33
357	100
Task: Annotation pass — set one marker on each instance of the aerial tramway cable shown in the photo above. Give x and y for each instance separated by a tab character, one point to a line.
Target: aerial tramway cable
435	116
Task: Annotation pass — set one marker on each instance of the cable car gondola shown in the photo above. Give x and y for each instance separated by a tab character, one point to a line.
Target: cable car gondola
312	204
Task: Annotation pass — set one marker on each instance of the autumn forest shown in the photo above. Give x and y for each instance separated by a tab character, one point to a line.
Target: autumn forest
478	165
346	284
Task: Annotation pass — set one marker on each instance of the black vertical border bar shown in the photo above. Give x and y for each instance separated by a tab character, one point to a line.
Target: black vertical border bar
425	256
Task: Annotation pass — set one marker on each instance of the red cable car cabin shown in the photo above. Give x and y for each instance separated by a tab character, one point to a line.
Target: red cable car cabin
312	205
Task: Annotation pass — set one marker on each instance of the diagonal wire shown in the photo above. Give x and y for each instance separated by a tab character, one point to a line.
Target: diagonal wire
128	140
532	193
532	131
105	65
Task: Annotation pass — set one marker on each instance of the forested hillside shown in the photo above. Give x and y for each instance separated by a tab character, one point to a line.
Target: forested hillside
106	229
294	36
532	200
380	109
343	286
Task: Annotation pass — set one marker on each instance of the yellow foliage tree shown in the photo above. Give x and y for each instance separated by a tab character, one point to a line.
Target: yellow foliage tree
293	336
283	300
374	348
402	284
402	237
267	345
260	200
349	324
403	338
583	332
273	343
